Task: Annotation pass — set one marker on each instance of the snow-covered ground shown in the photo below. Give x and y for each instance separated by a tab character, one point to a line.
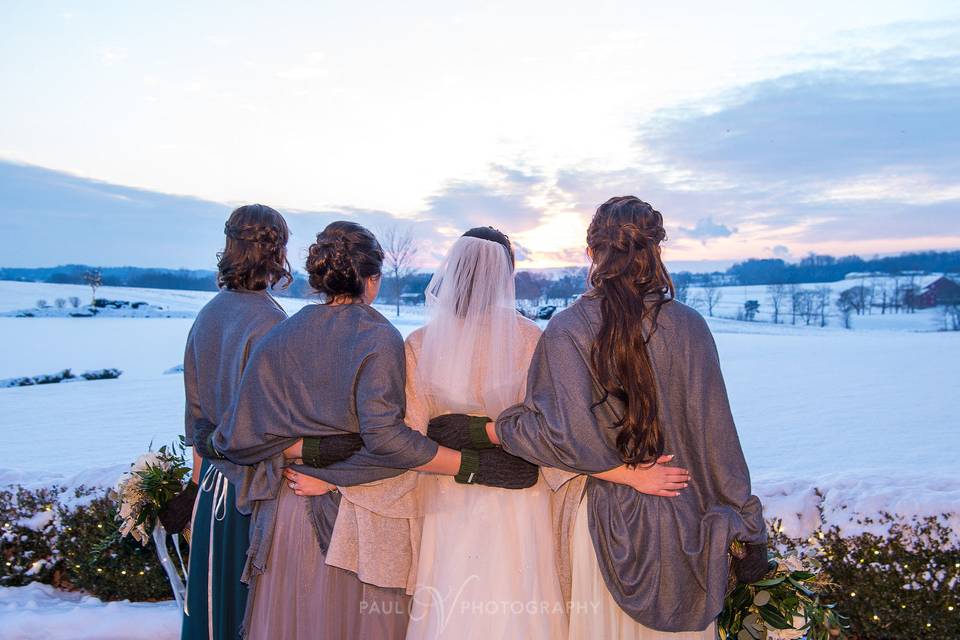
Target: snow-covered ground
40	612
870	417
732	299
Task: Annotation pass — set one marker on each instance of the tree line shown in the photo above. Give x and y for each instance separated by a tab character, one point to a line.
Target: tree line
822	268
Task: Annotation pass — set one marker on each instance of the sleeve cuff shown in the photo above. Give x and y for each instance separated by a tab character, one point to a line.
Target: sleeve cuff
310	451
477	433
469	466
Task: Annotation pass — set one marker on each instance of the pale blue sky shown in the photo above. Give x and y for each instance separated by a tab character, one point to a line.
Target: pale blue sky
757	128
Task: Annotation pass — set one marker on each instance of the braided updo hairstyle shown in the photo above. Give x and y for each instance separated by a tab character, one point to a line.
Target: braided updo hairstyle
343	257
632	284
255	255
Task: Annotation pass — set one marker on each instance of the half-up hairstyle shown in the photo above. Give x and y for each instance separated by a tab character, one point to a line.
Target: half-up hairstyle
632	284
255	255
343	257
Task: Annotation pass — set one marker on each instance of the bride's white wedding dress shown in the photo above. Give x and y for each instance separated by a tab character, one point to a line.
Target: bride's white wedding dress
486	565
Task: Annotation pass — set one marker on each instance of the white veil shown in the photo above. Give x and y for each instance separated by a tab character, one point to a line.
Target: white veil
469	359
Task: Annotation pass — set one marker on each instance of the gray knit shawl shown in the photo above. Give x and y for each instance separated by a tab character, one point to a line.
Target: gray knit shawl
664	560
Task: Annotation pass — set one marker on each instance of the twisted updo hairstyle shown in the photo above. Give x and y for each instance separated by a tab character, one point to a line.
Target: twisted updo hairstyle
632	284
255	254
343	257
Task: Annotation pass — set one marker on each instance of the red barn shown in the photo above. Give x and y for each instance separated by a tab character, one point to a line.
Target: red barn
942	291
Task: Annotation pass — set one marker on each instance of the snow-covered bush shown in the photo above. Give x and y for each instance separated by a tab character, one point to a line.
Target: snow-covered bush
901	586
94	557
60	303
71	541
74	301
61	376
28	536
101	374
42	304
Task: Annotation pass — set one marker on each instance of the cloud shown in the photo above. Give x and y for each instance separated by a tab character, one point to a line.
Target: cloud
58	218
519	251
110	56
821	126
781	251
860	149
502	201
706	229
837	155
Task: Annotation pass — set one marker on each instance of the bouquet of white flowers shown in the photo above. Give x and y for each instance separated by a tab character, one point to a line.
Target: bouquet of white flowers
783	606
142	493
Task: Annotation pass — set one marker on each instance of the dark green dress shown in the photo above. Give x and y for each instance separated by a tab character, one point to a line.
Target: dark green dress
216	597
225	332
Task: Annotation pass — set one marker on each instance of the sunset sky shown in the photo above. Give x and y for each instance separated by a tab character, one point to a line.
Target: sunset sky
759	129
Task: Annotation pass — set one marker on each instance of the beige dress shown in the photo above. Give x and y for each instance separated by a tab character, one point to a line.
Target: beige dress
593	611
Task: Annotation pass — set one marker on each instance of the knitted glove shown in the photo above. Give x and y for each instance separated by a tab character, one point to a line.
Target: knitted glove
323	451
755	563
460	431
496	468
176	514
203	440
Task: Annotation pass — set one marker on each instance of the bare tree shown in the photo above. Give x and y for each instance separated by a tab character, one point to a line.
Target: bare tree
951	317
399	251
529	286
822	296
847	304
711	296
795	295
681	291
860	296
777	293
94	280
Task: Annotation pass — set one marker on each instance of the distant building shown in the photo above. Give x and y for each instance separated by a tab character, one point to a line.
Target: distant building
942	291
413	298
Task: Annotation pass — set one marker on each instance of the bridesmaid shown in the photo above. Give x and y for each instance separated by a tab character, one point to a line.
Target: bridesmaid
225	331
331	368
621	375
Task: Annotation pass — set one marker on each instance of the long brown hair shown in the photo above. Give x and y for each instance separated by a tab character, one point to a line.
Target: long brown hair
255	255
632	284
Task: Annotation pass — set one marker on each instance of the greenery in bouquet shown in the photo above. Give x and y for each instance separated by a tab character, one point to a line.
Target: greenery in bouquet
143	491
785	605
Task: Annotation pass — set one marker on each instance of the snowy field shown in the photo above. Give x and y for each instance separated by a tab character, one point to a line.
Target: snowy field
732	299
871	417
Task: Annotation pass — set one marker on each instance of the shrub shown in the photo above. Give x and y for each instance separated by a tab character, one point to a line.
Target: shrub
96	559
28	537
42	304
60	303
905	585
901	586
101	374
75	545
74	301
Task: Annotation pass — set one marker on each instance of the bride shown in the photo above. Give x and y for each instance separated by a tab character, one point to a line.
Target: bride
486	566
